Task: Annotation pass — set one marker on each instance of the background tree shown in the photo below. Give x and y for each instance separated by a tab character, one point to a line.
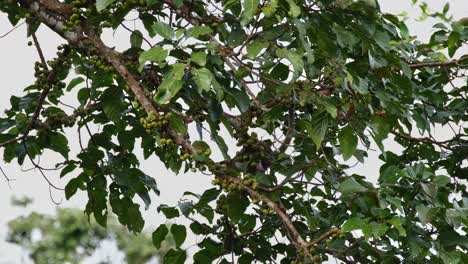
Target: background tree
303	88
70	237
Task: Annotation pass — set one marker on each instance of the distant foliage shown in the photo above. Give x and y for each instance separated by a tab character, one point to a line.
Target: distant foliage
69	237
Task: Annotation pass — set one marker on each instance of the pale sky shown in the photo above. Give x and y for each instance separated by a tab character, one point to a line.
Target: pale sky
16	72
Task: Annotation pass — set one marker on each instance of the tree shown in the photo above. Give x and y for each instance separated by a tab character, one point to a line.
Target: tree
304	88
69	237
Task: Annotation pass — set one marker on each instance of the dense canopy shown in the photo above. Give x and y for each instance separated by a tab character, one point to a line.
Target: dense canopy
292	93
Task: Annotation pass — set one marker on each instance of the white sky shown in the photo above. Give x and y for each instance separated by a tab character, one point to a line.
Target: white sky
16	72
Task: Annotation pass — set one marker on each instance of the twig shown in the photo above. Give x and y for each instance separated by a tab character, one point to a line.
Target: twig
42	97
11	30
438	63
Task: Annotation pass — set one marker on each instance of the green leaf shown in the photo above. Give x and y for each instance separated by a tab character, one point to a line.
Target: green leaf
255	47
168	211
396	222
389	175
177	123
73	83
348	142
164	30
159	235
179	233
350	185
374	230
136	39
236	204
72	187
453	42
270	8
425	214
199	58
151	2
294	58
171	84
198	31
294	10
441	180
249	11
344	37
155	54
317	128
67	169
59	143
301	28
354	224
175	256
202	78
103	4
112	103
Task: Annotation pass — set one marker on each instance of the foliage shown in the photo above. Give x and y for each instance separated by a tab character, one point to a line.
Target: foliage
304	88
69	237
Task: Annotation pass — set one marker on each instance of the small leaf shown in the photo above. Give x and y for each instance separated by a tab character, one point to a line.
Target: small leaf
72	187
136	39
344	37
179	233
202	78
294	58
159	235
102	4
73	83
164	30
236	204
169	212
177	123
67	169
294	10
197	31
270	8
254	48
348	142
249	10
171	84
453	42
155	54
350	185
199	58
354	224
59	143
317	128
374	230
396	222
175	256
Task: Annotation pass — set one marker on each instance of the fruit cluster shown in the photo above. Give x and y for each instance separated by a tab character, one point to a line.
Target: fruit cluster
253	151
55	120
229	185
221	205
95	61
60	64
76	17
335	233
153	122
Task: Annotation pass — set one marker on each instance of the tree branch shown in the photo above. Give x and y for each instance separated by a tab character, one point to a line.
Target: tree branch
438	63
